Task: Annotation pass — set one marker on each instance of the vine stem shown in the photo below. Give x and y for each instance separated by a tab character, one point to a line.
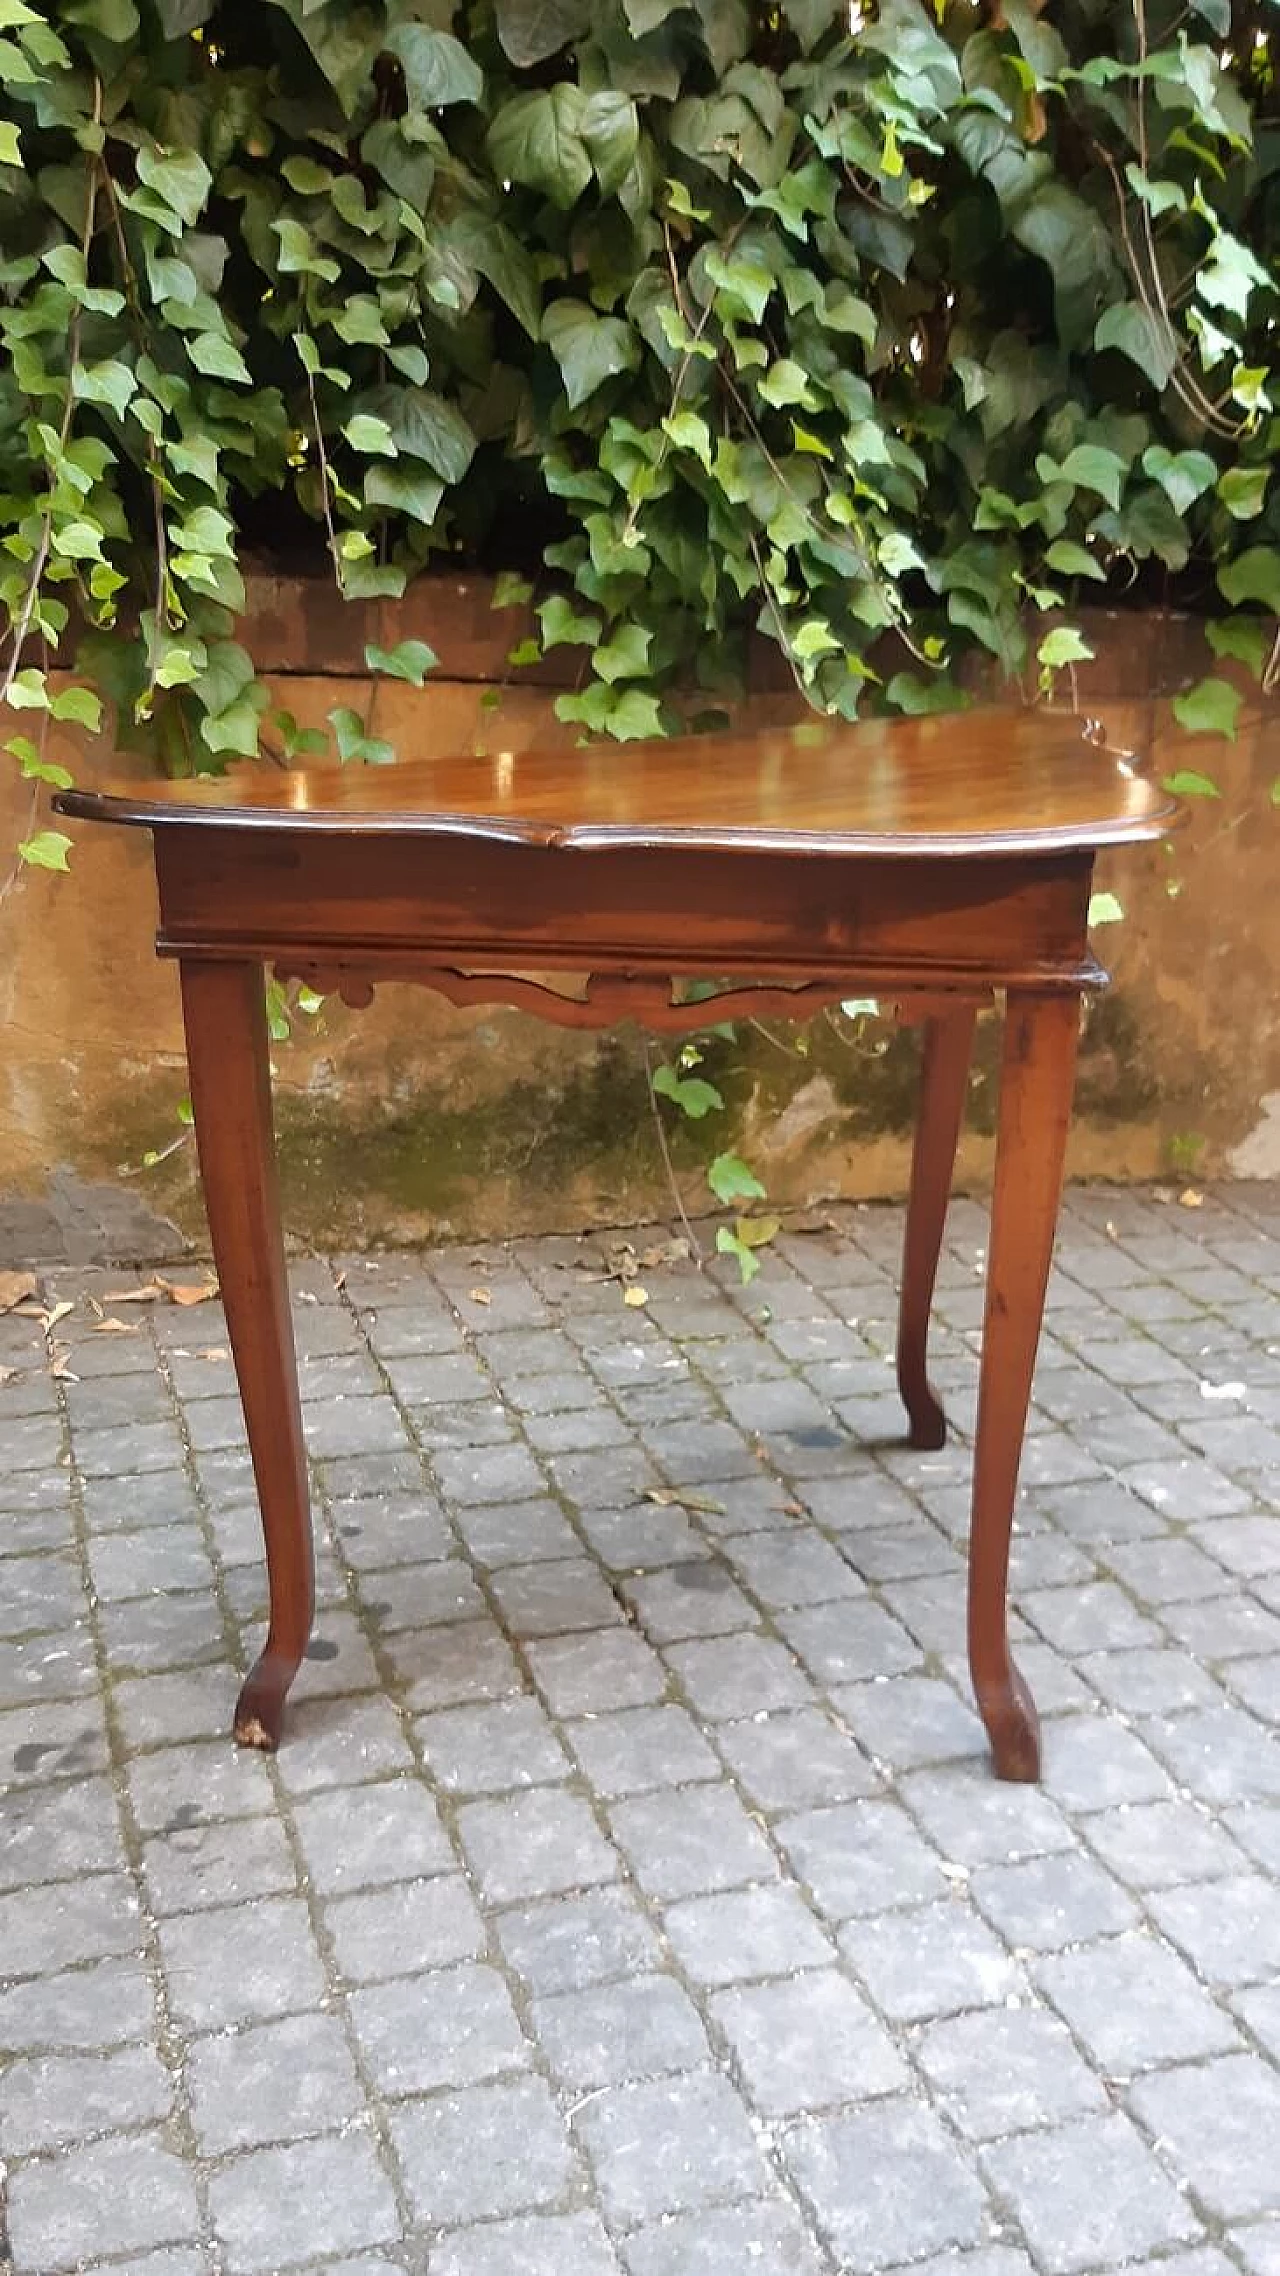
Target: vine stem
695	1245
323	457
21	626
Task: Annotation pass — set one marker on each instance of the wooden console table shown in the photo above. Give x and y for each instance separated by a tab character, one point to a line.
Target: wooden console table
929	862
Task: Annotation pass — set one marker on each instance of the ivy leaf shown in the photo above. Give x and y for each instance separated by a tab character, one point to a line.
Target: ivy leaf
1184	476
634	718
437	68
404	490
1132	329
626	655
10	152
370	435
588	348
47	850
1252	576
1074	561
77	707
610	129
179	178
731	1180
107	382
511	591
1242	637
536	139
1091	467
690	1093
1061	647
564	626
1243	491
355	746
1105	909
1212	708
409	660
216	356
731	1244
532	30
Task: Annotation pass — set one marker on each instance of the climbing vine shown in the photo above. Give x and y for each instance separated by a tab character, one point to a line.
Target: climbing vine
883	331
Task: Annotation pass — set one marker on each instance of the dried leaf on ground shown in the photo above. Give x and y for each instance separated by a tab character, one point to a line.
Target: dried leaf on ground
635	1295
672	1497
8	1375
480	1295
110	1327
198	1292
49	1320
149	1293
14	1287
1191	1199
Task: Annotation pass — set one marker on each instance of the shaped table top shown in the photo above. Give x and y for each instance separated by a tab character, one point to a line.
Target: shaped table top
960	784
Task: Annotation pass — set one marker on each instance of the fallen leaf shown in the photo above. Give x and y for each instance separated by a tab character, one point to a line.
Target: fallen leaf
214	1351
111	1327
14	1286
147	1294
52	1317
635	1295
671	1497
480	1295
675	1251
8	1375
202	1292
60	1371
1191	1199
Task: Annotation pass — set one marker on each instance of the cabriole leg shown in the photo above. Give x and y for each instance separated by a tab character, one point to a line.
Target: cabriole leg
948	1045
1037	1077
226	1029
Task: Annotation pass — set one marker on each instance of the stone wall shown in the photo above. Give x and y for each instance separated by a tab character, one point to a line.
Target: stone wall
413	1119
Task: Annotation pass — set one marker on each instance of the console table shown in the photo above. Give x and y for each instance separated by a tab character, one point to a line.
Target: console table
929	862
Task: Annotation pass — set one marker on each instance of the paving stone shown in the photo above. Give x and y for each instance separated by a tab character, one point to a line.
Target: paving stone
444	1667
975	1820
572	2244
682	1843
241	1963
1048	1902
515	1533
669	2146
453	2027
911	1721
807	2043
642	1748
220	1863
584	1675
402	1930
1006	2070
493	1748
271	2083
52	2099
694	1597
858	1857
1162	1844
847	1642
1150	1682
277	2205
1094	1763
726	1677
94	1916
1133	2003
931	1960
549	1599
1089	2193
366	1835
1259	2247
615	2032
489	2151
571	1942
1217	2125
1229	1929
119	2195
534	1845
95	2006
1221	1755
766	2238
786	1758
745	1933
886	2184
1258	1833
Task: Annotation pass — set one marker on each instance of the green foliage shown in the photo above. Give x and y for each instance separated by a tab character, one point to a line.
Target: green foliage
713	321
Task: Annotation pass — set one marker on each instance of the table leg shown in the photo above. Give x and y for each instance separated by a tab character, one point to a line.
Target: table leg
948	1045
1037	1076
226	1028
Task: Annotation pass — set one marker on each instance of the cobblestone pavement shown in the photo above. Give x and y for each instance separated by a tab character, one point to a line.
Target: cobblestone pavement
631	1894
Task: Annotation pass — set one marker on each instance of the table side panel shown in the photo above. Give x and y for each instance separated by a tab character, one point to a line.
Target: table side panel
484	905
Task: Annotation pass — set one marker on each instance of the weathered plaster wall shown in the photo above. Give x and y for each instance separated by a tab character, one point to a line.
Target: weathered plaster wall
413	1118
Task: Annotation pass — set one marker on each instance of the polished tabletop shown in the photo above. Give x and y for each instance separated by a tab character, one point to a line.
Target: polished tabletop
988	781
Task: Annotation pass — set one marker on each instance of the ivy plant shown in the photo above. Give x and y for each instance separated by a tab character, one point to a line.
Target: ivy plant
877	330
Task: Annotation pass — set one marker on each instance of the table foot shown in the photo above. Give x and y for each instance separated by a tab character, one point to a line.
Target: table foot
926	1417
259	1717
1013	1727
